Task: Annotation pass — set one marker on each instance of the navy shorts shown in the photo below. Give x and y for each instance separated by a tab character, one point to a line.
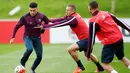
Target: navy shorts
110	50
83	45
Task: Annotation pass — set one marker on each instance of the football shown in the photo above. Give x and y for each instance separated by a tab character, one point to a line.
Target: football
20	69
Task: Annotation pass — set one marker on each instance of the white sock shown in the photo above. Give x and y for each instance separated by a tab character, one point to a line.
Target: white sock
114	71
129	67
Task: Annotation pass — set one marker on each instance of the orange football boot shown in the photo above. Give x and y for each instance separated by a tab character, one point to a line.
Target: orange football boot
78	70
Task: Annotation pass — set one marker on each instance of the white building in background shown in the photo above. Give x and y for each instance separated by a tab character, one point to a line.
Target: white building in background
57	34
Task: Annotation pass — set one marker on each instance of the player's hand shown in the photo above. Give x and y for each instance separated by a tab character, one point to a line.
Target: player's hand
50	20
89	59
129	31
12	41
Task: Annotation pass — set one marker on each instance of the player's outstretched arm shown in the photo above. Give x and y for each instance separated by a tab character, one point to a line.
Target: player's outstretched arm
68	21
53	20
121	23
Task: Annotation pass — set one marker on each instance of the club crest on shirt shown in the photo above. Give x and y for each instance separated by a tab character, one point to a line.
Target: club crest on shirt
39	20
30	22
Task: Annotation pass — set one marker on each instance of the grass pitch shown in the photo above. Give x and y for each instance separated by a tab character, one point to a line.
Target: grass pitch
55	59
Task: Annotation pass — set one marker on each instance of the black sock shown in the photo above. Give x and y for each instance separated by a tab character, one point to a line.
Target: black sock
80	65
99	66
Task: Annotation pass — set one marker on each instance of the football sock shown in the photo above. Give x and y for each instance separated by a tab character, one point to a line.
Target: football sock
100	68
32	71
114	71
80	65
129	67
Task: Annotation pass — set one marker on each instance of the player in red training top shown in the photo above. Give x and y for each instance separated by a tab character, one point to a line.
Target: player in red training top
80	28
105	26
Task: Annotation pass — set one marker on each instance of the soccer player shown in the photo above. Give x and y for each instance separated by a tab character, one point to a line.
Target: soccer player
31	35
105	26
78	25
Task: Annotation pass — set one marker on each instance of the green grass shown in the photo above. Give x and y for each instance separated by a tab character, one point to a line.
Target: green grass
56	8
6	48
55	59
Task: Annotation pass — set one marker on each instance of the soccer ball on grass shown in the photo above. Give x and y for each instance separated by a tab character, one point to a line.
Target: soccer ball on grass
20	69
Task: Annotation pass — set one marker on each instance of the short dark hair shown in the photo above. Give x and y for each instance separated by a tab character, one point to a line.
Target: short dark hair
33	5
93	4
72	6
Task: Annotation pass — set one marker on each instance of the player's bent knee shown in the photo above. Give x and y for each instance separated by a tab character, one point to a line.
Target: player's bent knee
69	50
73	48
122	59
39	57
29	50
105	65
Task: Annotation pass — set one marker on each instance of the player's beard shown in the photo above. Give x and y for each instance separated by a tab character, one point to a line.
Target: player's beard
32	14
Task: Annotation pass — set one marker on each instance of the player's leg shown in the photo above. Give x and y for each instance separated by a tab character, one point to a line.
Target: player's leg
92	56
120	54
108	68
95	60
38	49
72	51
29	49
126	62
107	57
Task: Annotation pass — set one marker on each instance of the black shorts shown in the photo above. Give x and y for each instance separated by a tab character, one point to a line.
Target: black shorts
110	50
83	45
